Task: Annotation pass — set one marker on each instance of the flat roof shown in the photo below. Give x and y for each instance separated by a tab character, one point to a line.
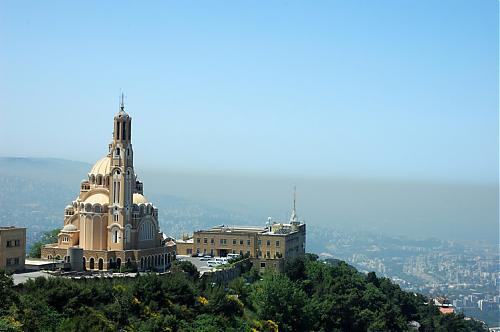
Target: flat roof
38	261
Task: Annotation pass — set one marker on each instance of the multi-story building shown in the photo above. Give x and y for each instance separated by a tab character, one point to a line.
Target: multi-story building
268	246
111	219
12	248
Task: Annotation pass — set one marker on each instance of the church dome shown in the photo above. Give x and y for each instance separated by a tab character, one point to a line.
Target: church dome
102	166
98	198
69	228
139	199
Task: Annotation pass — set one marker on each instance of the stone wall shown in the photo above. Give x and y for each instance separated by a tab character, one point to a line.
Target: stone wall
224	276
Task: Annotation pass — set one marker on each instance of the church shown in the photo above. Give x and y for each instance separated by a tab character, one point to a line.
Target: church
111	222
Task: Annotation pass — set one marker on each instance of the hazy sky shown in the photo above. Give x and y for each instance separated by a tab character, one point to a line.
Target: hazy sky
405	89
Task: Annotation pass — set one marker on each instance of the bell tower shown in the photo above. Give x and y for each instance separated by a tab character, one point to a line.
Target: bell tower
122	178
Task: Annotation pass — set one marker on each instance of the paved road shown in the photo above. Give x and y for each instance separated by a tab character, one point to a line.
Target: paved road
21	278
200	265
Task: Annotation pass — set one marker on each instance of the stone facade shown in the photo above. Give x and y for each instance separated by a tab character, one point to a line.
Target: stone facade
111	219
12	248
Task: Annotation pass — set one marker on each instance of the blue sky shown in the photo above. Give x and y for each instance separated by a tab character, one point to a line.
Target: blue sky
377	89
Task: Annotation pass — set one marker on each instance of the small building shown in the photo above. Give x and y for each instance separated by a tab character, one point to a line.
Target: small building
444	306
268	247
12	248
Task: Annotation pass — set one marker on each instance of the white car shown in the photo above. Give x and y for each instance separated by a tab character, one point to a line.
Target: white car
213	263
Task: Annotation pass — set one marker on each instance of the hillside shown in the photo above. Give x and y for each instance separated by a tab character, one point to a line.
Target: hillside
312	296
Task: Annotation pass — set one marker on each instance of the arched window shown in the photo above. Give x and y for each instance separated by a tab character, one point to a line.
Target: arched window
116	187
115	233
146	231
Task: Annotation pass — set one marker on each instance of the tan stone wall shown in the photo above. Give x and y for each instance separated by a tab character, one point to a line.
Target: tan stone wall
184	248
15	251
218	243
272	246
238	242
156	256
263	264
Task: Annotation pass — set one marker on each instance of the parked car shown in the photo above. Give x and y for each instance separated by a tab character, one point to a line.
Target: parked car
213	263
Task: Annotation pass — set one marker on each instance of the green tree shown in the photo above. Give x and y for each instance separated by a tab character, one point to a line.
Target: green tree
187	267
279	299
47	238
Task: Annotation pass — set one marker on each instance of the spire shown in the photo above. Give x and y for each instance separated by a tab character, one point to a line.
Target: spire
294	196
293	217
122	103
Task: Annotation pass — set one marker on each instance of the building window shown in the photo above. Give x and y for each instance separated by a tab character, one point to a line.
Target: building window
12	261
211	252
223	241
205	240
277	243
124	132
13	243
268	254
146	231
212	241
259	242
115	236
262	264
234	241
248	242
197	240
241	242
268	243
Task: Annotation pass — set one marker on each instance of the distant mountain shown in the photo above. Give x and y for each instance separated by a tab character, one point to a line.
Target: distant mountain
35	191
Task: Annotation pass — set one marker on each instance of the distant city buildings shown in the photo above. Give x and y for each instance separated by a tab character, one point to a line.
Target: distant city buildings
111	222
12	248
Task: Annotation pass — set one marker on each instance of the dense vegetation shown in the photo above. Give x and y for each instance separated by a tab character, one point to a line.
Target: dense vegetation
47	238
312	295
